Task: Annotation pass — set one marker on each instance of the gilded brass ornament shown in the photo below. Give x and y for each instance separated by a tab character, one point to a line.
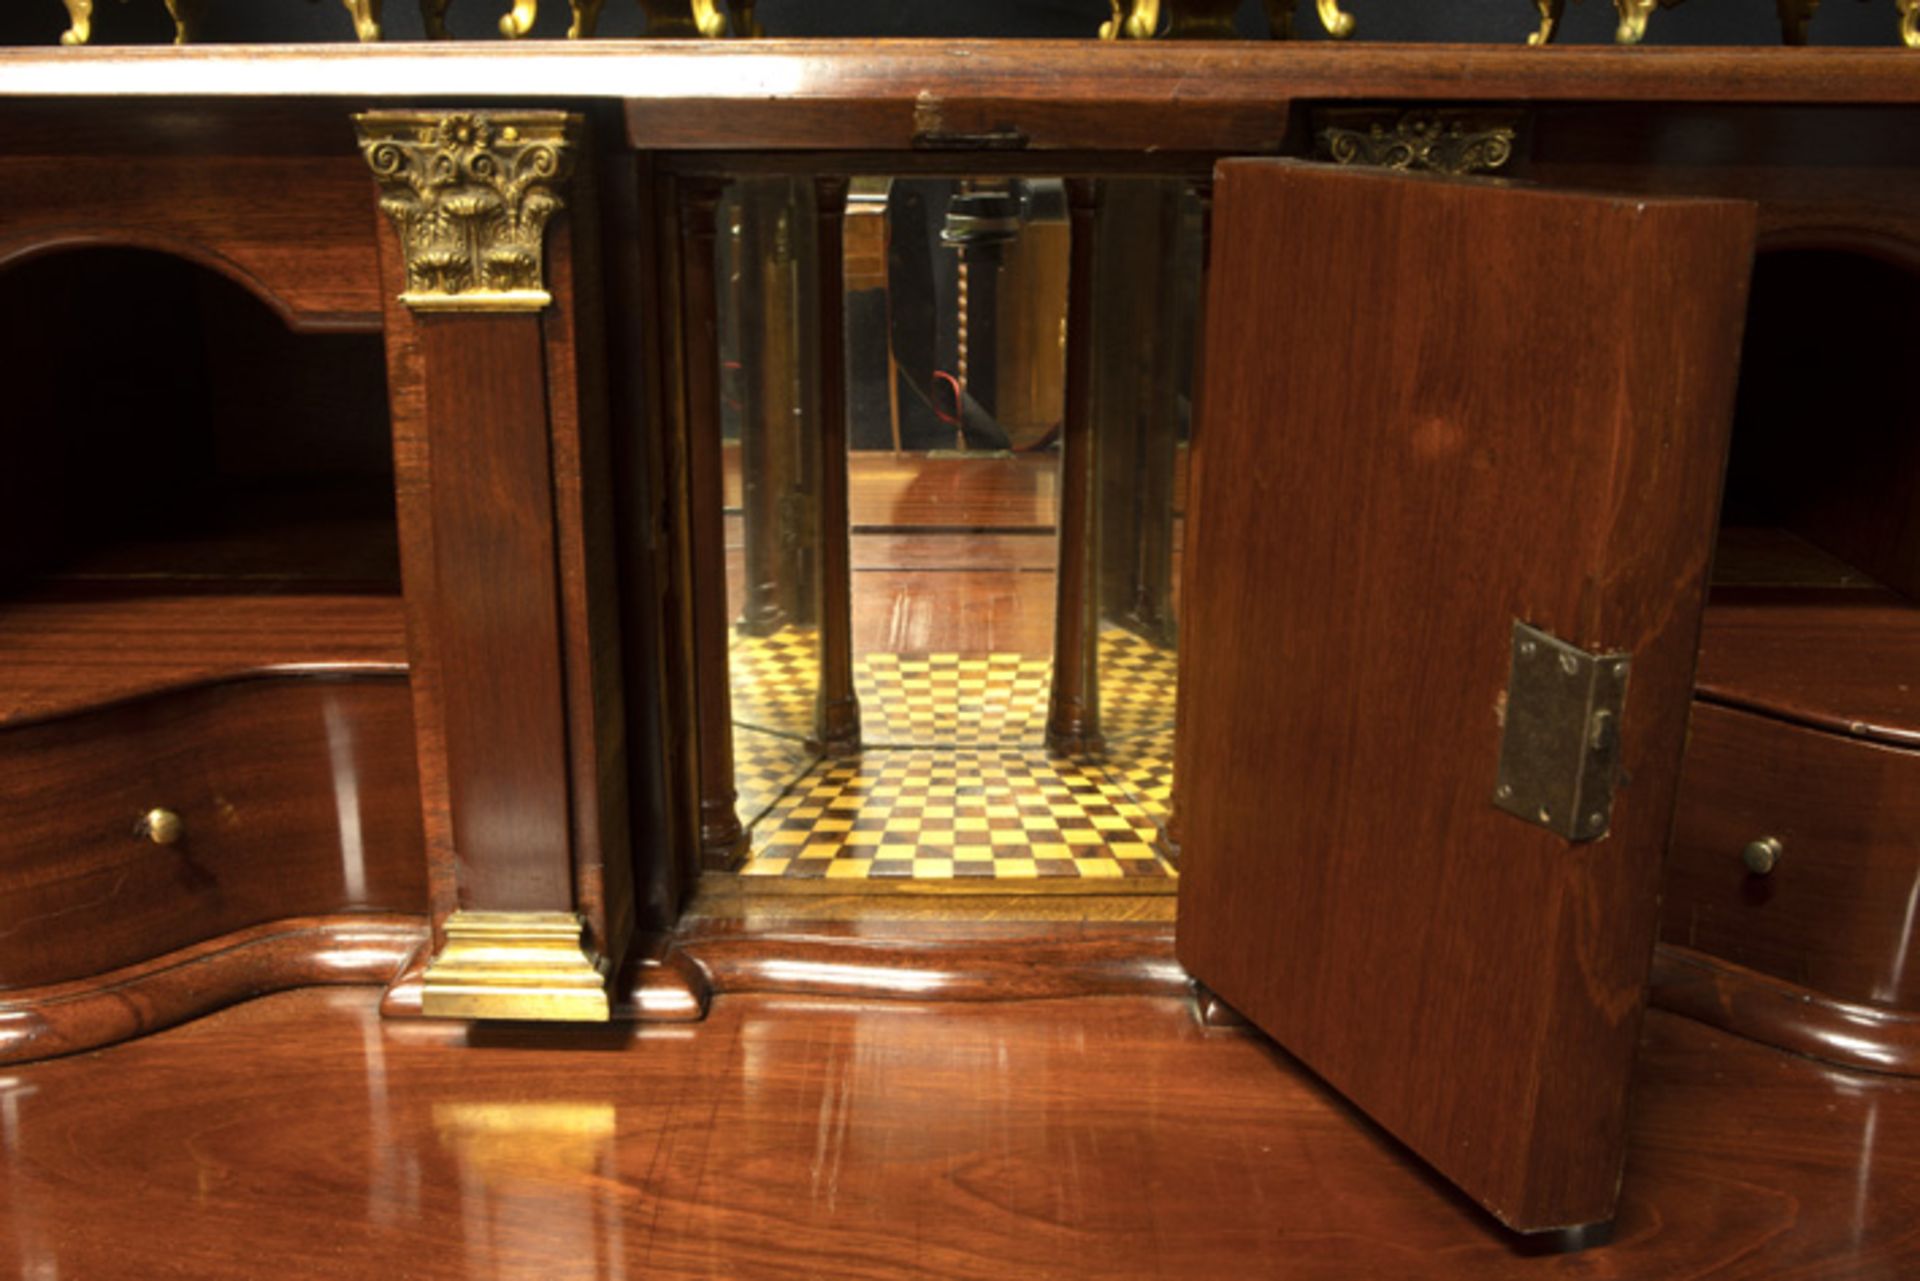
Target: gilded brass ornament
1336	21
79	22
1443	141
517	21
1633	20
470	195
185	14
1138	20
366	18
664	18
1209	19
516	965
1633	16
1909	22
1550	11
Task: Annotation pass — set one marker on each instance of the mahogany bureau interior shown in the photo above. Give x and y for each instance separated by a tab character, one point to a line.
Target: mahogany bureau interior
352	609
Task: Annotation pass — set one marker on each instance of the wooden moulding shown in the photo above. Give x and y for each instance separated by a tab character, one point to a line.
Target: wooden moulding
1784	1015
857	93
958	961
137	999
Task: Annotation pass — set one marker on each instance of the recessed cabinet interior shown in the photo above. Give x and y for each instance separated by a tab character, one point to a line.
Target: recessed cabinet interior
390	501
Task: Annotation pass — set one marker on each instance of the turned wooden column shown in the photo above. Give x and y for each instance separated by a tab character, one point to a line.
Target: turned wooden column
1182	731
1073	716
722	840
495	370
839	725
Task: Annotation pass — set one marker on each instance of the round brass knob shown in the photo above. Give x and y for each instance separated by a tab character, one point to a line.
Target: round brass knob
162	826
1763	855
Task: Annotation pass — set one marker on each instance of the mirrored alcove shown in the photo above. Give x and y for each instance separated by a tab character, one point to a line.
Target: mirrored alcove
951	588
770	456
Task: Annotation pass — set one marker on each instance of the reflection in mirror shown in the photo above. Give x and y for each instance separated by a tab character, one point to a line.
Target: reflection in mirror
963	475
1147	274
770	461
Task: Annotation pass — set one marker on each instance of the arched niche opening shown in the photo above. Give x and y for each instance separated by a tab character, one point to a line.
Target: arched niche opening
165	429
1823	481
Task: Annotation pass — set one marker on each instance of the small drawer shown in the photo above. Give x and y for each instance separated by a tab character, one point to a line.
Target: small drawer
269	798
1837	909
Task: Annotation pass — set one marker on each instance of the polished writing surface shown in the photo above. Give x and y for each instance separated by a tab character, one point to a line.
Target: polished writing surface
858	1139
1434	408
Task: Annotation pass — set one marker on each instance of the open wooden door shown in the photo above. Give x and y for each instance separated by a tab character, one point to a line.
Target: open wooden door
1434	410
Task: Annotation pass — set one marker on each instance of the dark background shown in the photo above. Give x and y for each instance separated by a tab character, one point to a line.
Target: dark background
1742	22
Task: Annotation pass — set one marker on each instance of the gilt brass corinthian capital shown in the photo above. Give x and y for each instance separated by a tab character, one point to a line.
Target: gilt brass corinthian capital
470	195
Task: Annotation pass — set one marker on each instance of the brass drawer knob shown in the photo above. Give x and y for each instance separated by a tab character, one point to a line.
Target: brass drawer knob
161	826
1763	855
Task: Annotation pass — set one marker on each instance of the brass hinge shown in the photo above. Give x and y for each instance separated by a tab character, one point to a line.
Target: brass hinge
1560	745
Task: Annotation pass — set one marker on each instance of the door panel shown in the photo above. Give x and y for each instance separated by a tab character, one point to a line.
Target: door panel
1434	408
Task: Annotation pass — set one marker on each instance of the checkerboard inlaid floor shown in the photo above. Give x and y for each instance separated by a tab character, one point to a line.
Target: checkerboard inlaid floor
775	680
925	814
1137	681
952	700
1142	767
764	766
954	781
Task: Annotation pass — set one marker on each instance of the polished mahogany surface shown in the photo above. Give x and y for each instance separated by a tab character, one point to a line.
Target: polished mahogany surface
295	797
1836	913
808	1137
1841	660
74	652
1370	516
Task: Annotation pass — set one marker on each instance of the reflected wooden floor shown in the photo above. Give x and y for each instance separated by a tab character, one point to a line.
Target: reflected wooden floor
299	1136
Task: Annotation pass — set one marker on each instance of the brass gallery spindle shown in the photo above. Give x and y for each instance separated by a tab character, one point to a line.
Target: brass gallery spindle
1794	17
186	15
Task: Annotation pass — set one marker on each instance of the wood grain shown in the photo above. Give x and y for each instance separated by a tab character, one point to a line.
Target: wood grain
496	597
297	798
960	611
1073	701
592	663
64	652
297	231
152	995
949	959
664	843
917	491
838	725
721	836
1843	661
1836	914
1787	1016
1472	981
1209	96
803	1136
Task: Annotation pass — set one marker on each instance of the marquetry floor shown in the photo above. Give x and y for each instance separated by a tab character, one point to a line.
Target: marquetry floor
918	814
955	782
953	606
